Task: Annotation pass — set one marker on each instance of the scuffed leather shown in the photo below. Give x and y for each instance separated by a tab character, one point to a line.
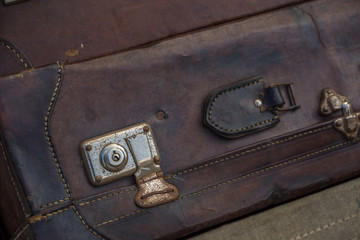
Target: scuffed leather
106	27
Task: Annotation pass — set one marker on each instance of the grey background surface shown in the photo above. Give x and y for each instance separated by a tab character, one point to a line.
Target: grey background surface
332	214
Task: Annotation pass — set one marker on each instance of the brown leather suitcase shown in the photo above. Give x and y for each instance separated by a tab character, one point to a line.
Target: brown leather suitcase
164	118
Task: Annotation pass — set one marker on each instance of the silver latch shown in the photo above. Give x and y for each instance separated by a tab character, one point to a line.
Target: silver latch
129	151
331	102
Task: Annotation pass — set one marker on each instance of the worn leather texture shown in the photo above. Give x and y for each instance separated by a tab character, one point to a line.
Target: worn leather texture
218	179
231	112
76	30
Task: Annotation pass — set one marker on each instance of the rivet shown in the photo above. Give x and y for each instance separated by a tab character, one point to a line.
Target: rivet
88	148
325	109
98	179
258	103
328	91
160	115
156	160
146	129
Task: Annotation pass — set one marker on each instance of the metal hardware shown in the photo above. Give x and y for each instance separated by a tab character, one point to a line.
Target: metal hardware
331	101
258	103
291	96
114	157
129	151
350	123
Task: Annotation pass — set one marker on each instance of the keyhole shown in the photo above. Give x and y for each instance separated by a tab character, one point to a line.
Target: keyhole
116	156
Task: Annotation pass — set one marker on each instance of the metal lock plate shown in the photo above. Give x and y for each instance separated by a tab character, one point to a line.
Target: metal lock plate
129	151
109	157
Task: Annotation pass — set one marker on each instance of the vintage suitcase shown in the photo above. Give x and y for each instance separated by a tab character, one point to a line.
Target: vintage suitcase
245	114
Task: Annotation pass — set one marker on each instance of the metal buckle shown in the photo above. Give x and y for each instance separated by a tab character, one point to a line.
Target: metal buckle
291	97
331	102
125	152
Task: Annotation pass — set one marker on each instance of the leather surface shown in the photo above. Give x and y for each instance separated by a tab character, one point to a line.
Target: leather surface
231	112
307	44
13	210
75	30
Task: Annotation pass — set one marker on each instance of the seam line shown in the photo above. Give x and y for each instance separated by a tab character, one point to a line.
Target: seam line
84	223
326	226
21	232
108	196
48	137
13	50
242	177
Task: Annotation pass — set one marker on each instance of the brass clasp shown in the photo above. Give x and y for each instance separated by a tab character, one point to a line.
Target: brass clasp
331	102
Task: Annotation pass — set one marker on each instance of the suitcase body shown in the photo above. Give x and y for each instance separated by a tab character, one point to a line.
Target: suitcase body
47	112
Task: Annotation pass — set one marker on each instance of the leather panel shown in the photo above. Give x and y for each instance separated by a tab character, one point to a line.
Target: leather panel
99	96
41	28
22	123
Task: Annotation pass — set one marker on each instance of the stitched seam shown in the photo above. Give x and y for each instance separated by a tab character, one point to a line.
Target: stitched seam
18	55
213	163
13	181
84	223
236	129
21	232
257	172
326	226
255	149
37	218
108	196
121	217
55	203
49	140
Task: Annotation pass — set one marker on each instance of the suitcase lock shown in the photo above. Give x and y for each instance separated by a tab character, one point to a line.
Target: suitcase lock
125	152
